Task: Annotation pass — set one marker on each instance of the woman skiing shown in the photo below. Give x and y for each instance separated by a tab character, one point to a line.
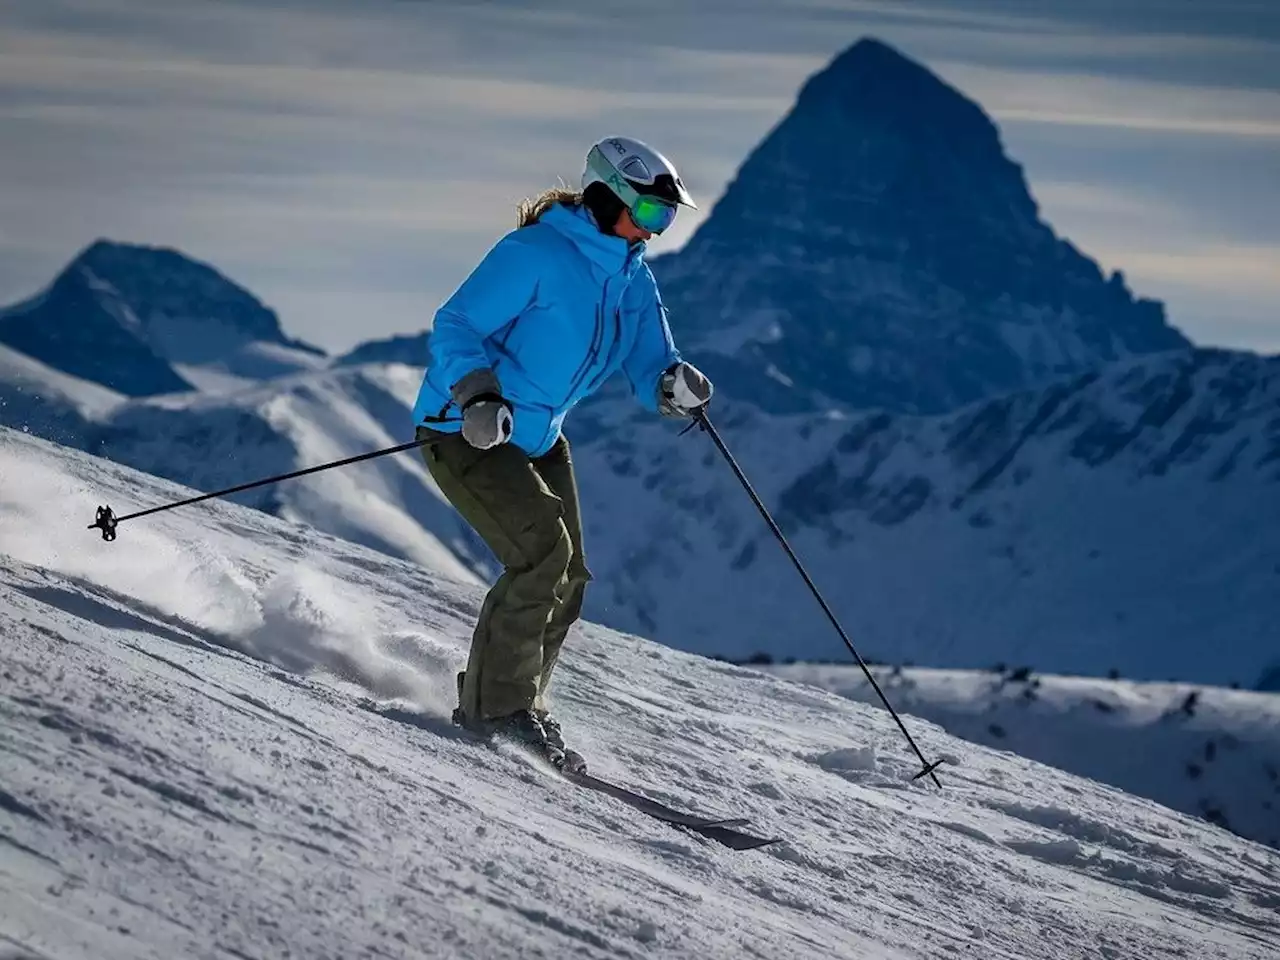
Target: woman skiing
552	310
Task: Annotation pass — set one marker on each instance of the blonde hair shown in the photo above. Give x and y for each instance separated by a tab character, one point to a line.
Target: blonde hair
531	209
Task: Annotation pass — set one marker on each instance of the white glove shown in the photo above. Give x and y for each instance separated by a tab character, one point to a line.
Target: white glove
683	389
486	416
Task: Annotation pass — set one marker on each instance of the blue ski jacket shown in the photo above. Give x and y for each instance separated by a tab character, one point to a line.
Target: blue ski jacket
554	309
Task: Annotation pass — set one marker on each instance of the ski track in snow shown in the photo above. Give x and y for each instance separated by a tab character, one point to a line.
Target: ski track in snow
226	736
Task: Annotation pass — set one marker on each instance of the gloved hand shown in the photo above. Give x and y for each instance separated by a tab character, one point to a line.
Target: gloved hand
486	423
486	416
682	390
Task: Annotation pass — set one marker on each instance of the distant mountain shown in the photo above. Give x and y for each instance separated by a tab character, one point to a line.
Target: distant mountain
879	250
411	350
1128	519
146	320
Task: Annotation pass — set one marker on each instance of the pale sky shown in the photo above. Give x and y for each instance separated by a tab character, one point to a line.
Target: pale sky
349	161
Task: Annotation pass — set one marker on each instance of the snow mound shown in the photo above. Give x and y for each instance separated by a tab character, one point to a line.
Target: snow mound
848	760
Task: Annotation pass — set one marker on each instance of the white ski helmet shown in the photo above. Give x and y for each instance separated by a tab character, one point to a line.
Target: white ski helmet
643	179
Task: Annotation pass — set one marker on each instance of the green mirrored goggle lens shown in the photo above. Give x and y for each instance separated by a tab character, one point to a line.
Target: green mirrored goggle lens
652	214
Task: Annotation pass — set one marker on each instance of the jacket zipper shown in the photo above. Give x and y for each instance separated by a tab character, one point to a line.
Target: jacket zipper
613	348
617	341
593	351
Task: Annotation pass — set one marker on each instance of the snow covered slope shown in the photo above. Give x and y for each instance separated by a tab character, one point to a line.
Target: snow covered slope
224	735
149	320
879	249
1126	520
1206	751
214	441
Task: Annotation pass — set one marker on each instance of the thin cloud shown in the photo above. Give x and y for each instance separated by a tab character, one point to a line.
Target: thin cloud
1261	129
1165	251
1078	99
1100	200
364	91
1243	272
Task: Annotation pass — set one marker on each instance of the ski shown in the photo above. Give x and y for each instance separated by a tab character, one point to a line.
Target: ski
723	831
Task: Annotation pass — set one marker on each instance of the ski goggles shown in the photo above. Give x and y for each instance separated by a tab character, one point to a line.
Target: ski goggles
649	212
652	214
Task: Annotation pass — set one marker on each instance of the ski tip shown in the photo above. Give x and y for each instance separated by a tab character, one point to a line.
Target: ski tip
744	841
732	823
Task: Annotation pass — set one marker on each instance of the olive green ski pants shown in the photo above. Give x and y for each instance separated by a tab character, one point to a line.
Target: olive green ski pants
527	511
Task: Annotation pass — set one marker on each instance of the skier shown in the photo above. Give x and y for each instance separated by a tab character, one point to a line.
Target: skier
552	310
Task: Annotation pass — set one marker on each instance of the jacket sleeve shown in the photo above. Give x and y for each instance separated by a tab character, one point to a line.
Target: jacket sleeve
498	290
653	350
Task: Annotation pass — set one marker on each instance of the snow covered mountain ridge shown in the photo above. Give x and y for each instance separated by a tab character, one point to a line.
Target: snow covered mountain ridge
226	733
1127	519
148	320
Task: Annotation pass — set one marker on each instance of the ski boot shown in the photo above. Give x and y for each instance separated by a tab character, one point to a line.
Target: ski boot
523	729
573	762
530	728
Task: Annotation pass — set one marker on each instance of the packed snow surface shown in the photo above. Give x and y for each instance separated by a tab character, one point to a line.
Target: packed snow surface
1207	751
224	735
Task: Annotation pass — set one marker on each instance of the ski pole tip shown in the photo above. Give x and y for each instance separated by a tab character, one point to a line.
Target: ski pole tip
928	769
106	522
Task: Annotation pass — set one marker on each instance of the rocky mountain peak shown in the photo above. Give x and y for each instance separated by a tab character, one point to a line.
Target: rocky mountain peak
879	248
877	152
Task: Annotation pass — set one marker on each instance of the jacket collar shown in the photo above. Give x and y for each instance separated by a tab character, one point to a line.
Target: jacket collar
612	254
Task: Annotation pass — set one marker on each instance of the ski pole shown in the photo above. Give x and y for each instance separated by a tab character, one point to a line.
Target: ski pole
107	521
708	427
